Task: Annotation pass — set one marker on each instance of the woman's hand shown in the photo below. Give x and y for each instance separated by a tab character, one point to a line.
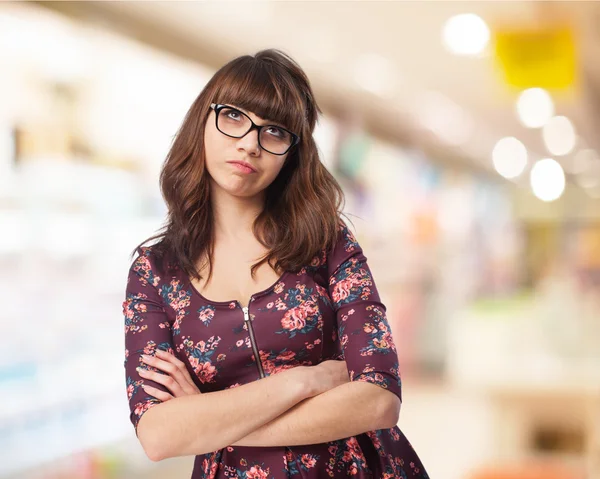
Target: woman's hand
177	378
327	375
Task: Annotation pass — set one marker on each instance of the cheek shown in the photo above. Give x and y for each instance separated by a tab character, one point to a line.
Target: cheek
216	148
272	171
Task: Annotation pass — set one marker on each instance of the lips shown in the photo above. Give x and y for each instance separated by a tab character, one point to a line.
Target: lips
243	165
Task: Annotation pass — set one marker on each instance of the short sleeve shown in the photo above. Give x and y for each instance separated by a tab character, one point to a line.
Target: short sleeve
363	329
146	329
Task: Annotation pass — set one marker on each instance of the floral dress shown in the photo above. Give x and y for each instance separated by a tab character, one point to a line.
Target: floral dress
329	309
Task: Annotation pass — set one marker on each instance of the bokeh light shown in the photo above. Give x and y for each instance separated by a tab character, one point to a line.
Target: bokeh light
465	34
559	135
535	107
509	157
547	179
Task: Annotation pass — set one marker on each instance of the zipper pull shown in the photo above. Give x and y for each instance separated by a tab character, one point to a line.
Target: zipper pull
246	315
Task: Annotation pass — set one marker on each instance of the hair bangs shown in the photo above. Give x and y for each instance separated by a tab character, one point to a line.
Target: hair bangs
259	87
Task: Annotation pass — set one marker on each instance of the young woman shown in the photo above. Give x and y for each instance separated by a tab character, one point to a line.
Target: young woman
255	337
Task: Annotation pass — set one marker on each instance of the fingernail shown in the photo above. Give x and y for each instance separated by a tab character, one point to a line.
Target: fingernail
145	357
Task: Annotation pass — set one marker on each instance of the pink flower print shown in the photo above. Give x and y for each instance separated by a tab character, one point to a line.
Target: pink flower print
206	372
129	391
286	356
380	344
221	357
126	353
256	472
194	363
341	290
206	315
149	348
270	305
279	287
268	367
239	343
141	408
281	306
295	318
317	341
369	328
308	461
232	305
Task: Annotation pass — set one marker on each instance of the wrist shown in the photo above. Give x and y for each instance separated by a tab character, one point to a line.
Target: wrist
304	385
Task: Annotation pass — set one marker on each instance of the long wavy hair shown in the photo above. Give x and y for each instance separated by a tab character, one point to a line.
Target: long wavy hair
303	205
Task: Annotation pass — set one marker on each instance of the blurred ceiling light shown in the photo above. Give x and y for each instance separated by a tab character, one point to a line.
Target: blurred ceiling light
547	179
584	161
586	168
439	114
375	74
535	107
559	135
465	34
509	157
587	182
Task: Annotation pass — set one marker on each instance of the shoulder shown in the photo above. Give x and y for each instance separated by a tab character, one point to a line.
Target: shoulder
346	240
345	247
152	264
145	265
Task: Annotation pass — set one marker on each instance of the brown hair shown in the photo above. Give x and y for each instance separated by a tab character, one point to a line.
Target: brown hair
302	210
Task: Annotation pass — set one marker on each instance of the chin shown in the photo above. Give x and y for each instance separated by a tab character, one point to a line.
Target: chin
235	186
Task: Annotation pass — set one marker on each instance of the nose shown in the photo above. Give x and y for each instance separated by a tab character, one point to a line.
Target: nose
249	143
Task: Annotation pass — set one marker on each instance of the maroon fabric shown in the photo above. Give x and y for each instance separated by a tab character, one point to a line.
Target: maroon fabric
328	310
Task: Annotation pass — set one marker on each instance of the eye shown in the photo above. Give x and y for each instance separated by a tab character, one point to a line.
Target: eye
232	114
277	132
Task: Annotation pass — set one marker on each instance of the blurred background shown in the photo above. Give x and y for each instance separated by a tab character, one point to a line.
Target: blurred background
465	135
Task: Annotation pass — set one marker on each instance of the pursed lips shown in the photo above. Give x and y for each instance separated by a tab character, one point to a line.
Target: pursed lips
247	165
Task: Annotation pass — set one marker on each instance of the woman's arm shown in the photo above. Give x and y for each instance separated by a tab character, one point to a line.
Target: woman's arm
345	411
202	423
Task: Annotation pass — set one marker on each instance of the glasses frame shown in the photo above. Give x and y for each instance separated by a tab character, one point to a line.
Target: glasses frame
217	107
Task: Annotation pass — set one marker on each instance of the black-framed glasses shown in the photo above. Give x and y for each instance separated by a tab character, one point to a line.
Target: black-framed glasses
236	124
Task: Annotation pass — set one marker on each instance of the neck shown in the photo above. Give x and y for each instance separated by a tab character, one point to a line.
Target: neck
234	215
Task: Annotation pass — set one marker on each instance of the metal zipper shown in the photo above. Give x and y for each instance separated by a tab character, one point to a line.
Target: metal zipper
261	371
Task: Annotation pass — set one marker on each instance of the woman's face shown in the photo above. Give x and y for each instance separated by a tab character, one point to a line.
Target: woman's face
222	151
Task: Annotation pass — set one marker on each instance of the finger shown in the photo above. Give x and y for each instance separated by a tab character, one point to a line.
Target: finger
180	365
164	379
176	362
157	393
171	369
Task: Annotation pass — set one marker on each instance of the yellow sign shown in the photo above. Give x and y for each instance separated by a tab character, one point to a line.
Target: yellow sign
543	58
